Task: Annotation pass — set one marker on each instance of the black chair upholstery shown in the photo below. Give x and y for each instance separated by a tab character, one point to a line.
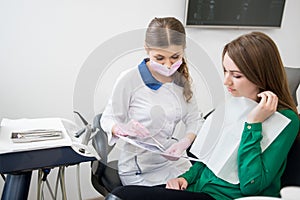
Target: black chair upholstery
104	174
293	76
291	176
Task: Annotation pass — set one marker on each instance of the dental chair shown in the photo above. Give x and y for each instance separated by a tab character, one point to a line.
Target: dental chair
104	174
291	176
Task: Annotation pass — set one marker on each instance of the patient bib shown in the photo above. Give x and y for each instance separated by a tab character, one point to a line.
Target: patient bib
218	141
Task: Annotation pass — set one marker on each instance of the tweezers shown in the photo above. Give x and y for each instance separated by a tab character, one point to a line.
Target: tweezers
33	131
158	143
38	133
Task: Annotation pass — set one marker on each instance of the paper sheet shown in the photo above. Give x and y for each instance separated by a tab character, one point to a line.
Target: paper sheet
152	147
217	143
144	145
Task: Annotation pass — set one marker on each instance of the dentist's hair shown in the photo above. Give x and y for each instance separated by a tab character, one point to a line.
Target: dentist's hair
163	33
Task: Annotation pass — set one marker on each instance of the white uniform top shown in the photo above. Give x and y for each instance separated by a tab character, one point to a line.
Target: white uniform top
159	107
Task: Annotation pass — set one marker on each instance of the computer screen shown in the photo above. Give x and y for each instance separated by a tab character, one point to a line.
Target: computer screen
234	13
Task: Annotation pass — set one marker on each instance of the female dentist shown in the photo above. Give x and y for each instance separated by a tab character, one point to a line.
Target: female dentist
148	102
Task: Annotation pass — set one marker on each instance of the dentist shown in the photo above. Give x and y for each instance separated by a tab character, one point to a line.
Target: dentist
148	102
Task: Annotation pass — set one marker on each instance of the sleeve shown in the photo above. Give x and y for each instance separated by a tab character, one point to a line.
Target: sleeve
258	169
117	108
194	173
193	119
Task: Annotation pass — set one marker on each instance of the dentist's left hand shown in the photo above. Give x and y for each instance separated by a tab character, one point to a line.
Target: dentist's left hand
176	150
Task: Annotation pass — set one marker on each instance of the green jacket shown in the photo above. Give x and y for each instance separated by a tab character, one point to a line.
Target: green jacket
259	173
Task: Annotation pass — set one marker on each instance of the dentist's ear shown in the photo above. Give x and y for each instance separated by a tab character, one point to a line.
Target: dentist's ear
146	49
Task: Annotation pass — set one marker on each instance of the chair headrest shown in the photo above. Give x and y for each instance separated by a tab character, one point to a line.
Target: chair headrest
293	76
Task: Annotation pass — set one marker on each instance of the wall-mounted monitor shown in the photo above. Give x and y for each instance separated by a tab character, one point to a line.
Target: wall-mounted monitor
234	13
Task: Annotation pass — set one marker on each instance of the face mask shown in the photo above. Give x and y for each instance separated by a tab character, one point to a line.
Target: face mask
164	70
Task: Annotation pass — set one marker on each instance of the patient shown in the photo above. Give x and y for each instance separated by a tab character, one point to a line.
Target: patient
253	73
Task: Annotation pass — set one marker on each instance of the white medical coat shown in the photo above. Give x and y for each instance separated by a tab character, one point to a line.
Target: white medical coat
159	111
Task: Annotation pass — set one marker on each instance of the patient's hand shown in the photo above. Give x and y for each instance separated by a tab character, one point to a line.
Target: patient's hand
177	184
265	108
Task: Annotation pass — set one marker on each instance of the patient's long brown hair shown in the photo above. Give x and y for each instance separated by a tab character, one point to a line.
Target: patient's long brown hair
257	57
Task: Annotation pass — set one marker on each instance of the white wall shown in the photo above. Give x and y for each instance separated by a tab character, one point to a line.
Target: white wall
44	43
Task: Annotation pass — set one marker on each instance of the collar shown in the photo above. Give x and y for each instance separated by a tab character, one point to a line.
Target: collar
147	77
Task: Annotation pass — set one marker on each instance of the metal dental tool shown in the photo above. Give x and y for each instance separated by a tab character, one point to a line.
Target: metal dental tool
86	131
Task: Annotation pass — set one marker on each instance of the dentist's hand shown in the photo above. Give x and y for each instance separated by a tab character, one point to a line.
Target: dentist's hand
132	128
176	150
177	184
265	108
